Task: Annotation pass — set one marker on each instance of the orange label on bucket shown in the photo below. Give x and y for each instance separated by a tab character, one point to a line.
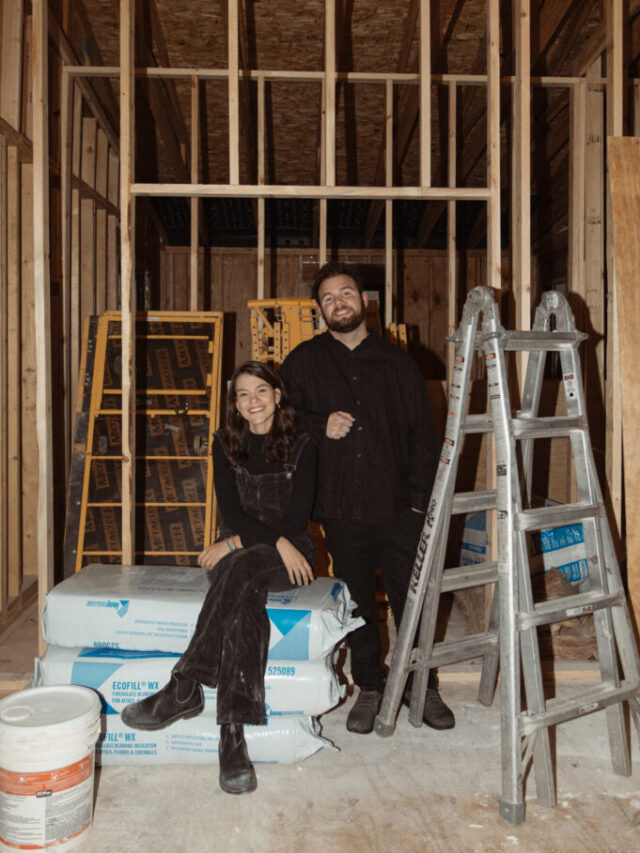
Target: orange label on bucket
59	779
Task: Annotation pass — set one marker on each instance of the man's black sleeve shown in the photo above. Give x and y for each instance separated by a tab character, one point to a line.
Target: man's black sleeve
297	373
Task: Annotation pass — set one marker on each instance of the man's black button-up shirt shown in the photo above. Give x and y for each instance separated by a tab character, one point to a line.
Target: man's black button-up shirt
388	460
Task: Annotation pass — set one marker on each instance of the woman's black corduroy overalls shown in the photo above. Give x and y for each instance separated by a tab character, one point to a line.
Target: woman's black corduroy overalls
229	647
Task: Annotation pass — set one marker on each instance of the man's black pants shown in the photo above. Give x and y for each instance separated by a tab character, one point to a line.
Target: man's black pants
358	549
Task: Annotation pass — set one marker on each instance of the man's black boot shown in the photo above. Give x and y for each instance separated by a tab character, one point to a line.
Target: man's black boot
436	714
362	715
237	775
180	699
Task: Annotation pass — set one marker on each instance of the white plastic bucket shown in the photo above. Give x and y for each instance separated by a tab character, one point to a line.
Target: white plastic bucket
47	742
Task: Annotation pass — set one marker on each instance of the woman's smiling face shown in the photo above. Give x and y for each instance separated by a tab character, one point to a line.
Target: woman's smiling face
256	400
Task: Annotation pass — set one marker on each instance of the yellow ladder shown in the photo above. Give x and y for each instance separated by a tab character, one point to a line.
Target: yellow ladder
178	359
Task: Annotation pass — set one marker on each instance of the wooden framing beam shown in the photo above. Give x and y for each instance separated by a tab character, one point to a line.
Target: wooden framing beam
322	204
613	390
42	312
113	217
452	277
14	368
521	176
66	107
74	271
309	191
261	221
594	262
330	92
127	276
494	261
87	220
234	103
577	194
5	529
102	168
11	62
194	202
390	308
425	93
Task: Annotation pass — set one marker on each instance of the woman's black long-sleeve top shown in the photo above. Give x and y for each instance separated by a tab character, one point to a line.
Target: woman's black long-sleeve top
251	530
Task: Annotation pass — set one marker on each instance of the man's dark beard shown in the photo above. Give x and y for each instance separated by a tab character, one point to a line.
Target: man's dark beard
347	324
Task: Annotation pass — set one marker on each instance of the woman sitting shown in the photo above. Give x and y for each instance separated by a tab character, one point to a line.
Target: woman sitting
264	475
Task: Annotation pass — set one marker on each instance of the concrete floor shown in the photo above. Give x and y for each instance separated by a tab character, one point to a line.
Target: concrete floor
419	790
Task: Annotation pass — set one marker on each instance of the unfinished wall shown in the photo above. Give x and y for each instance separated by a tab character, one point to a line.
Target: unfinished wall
18	458
421	286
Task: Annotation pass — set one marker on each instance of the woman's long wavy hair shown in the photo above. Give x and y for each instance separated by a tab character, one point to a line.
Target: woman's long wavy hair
278	442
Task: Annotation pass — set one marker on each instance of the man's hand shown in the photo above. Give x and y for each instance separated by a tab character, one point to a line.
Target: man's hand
339	424
297	566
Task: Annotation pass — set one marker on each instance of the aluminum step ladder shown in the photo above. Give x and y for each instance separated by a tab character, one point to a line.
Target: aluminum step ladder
525	733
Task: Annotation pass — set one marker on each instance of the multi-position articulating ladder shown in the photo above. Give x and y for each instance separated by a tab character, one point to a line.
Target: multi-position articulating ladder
511	638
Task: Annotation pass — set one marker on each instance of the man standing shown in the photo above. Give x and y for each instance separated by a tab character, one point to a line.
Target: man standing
365	403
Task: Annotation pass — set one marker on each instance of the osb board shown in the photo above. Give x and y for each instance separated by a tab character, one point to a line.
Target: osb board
624	176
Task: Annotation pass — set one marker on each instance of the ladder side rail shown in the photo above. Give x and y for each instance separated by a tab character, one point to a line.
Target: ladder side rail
533	683
454	432
624	630
491	661
616	723
531	392
540	749
97	385
428	621
511	804
440	503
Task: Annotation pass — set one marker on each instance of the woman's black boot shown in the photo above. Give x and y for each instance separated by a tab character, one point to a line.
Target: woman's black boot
237	775
180	699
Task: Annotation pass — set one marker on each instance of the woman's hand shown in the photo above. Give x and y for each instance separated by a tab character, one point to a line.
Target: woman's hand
297	566
212	554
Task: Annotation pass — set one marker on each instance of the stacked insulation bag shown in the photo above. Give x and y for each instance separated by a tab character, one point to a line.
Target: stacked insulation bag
121	629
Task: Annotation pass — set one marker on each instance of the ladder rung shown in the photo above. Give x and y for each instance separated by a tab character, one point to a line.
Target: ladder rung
566	607
464	502
548	517
524	427
561	710
463	577
456	651
478	423
551	341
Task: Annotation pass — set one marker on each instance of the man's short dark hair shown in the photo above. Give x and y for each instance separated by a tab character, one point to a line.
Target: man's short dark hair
331	270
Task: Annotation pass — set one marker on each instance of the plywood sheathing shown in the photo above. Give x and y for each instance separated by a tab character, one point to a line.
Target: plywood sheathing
624	177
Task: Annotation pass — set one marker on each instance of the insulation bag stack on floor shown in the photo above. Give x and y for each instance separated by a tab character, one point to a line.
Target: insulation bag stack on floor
121	629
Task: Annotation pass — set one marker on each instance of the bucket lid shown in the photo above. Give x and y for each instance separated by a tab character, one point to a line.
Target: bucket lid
40	707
